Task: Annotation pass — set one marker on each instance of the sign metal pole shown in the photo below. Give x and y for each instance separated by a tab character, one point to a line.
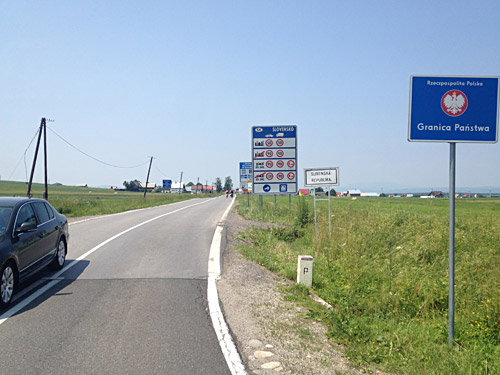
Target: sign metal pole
330	212
451	250
315	215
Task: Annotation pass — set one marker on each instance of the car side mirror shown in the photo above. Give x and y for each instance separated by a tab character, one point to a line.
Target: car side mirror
26	227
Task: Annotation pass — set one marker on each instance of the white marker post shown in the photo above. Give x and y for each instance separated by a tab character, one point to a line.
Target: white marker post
305	270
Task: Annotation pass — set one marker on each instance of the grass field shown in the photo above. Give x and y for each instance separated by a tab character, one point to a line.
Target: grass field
80	201
385	272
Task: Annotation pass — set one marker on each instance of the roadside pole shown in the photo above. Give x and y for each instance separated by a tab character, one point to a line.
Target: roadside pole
42	127
46	192
451	250
147	178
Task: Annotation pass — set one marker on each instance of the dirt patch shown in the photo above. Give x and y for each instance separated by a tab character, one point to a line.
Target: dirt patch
273	335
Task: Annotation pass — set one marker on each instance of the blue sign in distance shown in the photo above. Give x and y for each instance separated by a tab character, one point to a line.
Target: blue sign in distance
245	171
274	159
167	184
453	109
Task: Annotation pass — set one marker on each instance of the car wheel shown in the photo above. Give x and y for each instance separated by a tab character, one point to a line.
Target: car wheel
8	284
58	262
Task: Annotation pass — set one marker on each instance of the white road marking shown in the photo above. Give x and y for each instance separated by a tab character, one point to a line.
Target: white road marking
56	278
120	213
226	343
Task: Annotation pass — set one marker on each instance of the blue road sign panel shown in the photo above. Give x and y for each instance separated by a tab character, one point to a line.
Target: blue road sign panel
274	159
167	184
453	109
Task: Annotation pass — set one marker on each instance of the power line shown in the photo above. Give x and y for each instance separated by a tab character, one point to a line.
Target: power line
24	157
158	169
93	158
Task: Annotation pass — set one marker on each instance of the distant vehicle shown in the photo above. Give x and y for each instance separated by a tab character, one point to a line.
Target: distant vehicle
33	235
280	135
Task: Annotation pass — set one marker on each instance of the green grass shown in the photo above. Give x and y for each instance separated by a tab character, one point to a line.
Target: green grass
385	272
79	201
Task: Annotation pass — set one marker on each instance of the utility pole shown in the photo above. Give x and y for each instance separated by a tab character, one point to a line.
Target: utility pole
147	178
46	193
180	187
197	186
43	128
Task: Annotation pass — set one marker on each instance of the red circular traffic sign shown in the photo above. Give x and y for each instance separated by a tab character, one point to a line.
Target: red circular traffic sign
280	142
269	164
269	153
280	163
269	142
280	176
290	163
280	153
269	176
290	175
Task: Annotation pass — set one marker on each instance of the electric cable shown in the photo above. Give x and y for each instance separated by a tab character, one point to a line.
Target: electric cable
93	158
24	157
159	170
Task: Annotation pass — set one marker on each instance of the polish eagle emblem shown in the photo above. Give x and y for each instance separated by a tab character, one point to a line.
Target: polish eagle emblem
454	103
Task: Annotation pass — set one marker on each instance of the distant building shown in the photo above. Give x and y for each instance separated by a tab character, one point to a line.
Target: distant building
436	194
202	189
304	192
151	185
177	188
369	194
354	193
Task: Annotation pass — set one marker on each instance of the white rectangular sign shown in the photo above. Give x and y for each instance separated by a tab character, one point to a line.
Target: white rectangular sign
322	176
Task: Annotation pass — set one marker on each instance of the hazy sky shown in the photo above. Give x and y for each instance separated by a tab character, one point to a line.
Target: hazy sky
184	81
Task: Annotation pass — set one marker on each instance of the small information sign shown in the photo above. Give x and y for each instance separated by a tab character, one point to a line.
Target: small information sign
322	176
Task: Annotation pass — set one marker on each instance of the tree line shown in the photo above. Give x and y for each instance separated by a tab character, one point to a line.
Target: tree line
135	185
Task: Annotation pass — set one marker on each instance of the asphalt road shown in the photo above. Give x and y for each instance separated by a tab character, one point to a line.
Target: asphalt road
135	304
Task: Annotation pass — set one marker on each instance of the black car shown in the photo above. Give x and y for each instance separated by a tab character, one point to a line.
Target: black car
33	235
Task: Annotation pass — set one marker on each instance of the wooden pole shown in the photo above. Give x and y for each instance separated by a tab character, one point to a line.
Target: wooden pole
34	158
147	178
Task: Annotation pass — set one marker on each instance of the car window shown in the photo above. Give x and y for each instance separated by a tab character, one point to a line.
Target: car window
4	218
25	215
50	210
41	211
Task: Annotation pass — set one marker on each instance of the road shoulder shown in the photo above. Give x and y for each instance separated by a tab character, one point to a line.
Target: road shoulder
273	336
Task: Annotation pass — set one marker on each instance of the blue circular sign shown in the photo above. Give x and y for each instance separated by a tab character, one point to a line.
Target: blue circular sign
267	188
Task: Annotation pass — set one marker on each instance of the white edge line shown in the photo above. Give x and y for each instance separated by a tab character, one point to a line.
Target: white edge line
226	343
56	277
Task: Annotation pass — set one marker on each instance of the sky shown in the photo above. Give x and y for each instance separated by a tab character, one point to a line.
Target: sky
184	82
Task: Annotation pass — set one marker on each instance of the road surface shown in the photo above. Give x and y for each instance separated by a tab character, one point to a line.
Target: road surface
132	299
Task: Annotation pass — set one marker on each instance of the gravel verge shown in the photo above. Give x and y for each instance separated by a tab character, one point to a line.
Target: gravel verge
273	335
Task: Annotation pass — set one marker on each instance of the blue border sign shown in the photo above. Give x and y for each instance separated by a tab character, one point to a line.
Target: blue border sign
453	109
274	158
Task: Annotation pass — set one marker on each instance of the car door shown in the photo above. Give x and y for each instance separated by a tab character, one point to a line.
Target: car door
48	230
26	243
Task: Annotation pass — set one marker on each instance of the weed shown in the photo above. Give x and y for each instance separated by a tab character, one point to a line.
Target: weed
385	272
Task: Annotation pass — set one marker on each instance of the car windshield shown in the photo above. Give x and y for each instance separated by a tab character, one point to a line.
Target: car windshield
4	218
